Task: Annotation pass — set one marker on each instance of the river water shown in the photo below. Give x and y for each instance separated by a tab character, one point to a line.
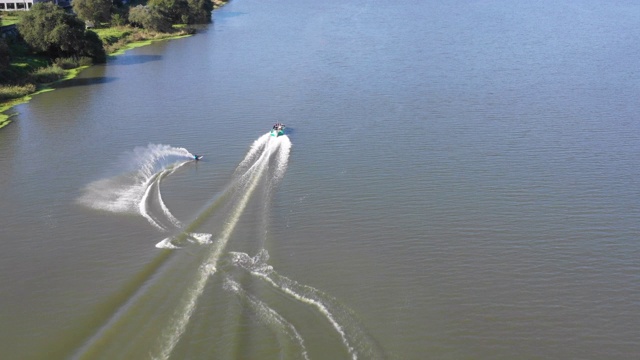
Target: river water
459	180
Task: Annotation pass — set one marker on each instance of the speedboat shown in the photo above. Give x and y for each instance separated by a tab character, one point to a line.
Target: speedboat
277	129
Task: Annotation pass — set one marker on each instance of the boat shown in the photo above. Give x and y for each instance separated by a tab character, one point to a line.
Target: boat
277	129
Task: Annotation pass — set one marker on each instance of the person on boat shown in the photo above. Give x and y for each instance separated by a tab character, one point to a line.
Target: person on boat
196	157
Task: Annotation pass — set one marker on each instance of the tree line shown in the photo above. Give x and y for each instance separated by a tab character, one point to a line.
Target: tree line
51	32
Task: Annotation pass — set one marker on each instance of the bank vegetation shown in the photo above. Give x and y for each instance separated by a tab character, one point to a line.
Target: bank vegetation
49	44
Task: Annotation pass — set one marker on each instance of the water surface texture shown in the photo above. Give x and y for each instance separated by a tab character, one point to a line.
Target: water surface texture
458	180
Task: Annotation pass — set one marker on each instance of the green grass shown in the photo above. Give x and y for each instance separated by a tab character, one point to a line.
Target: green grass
9	18
30	62
113	34
48	74
122	38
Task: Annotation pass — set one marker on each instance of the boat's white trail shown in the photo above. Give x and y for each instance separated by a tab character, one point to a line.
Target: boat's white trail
284	330
354	338
254	151
131	191
247	184
166	243
282	159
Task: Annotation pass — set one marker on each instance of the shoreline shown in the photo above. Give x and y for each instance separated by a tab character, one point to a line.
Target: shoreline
5	119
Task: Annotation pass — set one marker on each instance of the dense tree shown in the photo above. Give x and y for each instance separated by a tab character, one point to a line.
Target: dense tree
200	11
185	11
48	29
150	17
5	54
96	11
172	9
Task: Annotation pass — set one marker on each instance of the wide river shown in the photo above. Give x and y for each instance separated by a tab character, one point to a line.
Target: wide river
458	180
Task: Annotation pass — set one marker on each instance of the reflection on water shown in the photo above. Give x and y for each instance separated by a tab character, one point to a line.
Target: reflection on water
84	82
134	59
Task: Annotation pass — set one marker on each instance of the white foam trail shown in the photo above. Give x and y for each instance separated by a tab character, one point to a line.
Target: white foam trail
111	195
283	157
128	193
142	205
257	264
164	207
171	335
270	317
201	238
166	244
166	211
257	146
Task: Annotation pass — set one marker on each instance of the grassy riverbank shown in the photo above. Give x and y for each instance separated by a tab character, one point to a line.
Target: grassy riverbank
41	76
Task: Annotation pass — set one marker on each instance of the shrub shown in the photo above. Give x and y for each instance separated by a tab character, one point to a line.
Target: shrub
73	62
85	61
16	91
66	63
48	74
